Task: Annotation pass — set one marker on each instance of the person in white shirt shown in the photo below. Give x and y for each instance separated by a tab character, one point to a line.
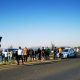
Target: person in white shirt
5	52
20	55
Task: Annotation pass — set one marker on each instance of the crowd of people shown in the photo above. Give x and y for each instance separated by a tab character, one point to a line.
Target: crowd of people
24	54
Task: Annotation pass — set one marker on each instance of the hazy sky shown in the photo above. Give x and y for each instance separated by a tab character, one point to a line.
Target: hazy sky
38	22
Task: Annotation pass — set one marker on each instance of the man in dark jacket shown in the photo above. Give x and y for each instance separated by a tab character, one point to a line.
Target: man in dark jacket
39	53
55	52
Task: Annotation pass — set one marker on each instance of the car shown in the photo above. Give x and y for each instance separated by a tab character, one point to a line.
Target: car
11	49
14	51
68	52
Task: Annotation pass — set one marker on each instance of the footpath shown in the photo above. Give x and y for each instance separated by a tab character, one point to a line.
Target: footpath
10	66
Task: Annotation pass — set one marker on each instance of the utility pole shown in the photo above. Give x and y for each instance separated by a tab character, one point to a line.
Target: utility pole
52	46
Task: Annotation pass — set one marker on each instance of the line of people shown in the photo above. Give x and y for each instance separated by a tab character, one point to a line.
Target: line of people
38	54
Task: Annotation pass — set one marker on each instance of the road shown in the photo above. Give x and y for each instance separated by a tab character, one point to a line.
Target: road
67	69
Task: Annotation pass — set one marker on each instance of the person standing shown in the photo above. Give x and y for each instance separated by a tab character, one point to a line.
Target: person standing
25	54
43	53
39	54
31	54
47	53
5	52
55	52
20	55
60	51
36	54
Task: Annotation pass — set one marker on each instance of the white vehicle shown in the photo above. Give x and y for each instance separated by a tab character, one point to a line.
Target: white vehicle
68	52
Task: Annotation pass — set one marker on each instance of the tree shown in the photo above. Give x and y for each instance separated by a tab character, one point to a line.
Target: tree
11	47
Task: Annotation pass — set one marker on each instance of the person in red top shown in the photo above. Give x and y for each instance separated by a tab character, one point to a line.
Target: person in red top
25	54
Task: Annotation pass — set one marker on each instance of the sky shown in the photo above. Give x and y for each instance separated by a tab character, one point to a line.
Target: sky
33	23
